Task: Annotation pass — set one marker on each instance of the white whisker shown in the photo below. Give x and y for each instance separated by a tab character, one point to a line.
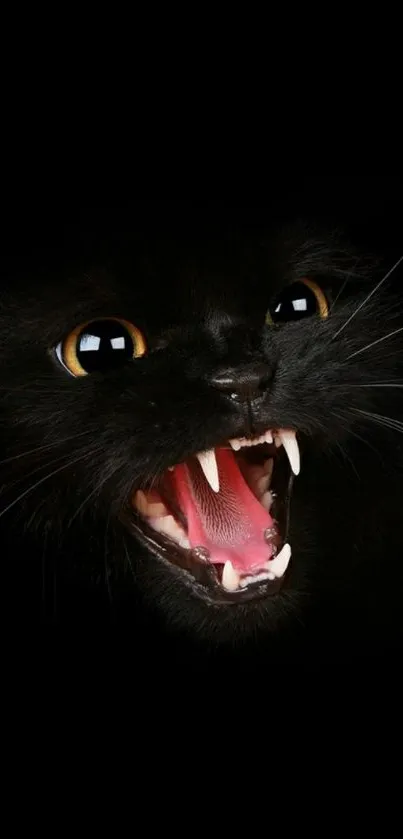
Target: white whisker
108	585
338	295
27	475
42	448
99	486
372	344
42	480
375	289
379	419
375	384
129	560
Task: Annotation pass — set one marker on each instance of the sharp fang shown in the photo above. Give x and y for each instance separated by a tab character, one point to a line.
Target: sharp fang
278	566
230	577
208	463
289	441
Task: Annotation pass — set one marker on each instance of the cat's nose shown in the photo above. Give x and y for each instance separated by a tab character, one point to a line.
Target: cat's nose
243	383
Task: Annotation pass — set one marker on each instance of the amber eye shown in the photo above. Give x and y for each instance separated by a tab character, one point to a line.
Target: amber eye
299	300
100	345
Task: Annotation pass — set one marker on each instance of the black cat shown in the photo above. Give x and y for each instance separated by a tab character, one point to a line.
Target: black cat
206	437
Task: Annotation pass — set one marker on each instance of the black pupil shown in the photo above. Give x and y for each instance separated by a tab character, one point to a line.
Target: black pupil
295	302
103	345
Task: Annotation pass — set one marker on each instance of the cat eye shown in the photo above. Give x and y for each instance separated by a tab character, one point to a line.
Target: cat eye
100	345
299	300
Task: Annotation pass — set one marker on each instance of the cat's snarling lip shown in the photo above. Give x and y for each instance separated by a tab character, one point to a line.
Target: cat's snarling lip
222	516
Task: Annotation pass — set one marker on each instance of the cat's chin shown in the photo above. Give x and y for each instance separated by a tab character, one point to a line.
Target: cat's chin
220	520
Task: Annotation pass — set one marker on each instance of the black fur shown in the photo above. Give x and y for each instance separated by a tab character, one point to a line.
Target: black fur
72	450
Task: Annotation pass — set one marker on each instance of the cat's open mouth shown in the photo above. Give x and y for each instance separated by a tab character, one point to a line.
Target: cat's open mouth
222	516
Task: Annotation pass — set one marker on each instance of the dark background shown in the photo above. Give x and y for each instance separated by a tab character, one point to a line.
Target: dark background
40	223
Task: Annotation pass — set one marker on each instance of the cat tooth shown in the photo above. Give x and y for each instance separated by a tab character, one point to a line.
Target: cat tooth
154	509
256	578
169	527
140	502
230	577
240	442
208	463
262	485
268	467
266	500
278	566
157	510
289	441
277	441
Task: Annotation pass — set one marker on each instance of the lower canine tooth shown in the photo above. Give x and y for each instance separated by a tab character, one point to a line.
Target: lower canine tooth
230	577
278	566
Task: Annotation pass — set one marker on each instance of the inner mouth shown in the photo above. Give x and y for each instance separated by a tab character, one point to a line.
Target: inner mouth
222	516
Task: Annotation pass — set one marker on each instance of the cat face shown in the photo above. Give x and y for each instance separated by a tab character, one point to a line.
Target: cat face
191	434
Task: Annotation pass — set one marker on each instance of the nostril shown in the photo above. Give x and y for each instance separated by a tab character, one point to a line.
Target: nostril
242	383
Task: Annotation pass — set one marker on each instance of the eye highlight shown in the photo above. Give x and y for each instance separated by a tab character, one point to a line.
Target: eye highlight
100	345
299	300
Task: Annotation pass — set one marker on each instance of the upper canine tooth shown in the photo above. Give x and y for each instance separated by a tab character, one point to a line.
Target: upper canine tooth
289	441
230	577
278	566
208	463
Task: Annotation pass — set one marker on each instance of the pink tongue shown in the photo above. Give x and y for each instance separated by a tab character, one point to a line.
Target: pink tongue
229	523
